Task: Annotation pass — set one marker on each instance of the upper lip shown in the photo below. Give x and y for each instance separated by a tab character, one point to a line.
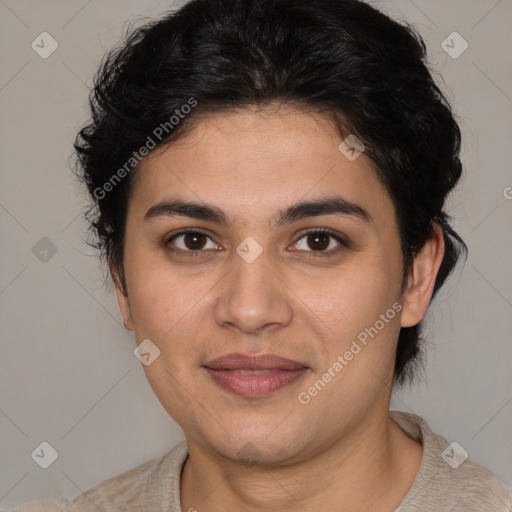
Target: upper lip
247	362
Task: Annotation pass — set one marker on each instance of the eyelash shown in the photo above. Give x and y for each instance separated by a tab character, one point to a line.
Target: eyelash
324	231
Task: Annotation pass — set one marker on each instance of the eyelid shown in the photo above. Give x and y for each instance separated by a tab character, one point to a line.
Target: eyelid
184	231
337	236
327	231
333	234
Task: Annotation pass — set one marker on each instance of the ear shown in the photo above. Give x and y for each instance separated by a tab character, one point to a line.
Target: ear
122	297
124	307
422	279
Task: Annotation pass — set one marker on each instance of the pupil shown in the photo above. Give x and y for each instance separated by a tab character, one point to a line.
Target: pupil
316	238
194	244
319	241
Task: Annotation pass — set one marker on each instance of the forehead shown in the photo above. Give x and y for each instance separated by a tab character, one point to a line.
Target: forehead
254	162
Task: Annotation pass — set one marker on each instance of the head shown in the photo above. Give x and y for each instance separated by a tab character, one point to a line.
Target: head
312	131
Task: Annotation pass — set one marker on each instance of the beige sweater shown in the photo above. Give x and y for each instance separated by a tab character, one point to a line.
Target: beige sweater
439	486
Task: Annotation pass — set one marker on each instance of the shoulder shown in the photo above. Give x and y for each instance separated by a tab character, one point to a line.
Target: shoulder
50	505
153	483
149	486
447	478
475	487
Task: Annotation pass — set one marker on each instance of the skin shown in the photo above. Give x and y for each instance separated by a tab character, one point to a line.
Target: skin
341	451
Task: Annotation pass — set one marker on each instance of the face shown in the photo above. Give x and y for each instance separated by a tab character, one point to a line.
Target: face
256	272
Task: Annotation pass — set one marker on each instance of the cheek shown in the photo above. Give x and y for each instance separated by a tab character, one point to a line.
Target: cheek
161	299
352	298
171	319
364	324
173	392
361	307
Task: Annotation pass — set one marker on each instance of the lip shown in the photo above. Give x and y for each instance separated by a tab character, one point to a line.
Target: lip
253	376
239	361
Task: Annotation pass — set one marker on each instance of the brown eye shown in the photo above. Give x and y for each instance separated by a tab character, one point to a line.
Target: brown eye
194	241
190	241
321	241
318	241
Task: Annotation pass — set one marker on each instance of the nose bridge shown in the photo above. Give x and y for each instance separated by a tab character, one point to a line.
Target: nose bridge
251	296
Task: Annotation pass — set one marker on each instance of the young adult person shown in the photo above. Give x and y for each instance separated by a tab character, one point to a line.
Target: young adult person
268	180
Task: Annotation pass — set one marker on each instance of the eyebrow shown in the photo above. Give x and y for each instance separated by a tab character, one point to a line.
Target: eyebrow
313	208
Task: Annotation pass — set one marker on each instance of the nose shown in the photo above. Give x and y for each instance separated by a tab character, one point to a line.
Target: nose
252	297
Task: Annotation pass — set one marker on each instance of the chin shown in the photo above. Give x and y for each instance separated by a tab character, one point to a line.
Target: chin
266	449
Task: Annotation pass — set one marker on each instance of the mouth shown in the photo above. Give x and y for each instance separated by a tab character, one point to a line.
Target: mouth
254	376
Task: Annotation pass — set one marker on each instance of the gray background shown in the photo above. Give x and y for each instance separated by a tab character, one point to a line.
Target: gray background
67	369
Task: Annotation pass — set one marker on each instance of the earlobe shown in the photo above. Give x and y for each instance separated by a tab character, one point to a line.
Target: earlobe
422	279
124	308
122	299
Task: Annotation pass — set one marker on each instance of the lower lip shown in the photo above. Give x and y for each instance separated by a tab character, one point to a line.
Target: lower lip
253	385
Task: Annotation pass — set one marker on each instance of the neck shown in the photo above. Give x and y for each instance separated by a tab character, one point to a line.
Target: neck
371	468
